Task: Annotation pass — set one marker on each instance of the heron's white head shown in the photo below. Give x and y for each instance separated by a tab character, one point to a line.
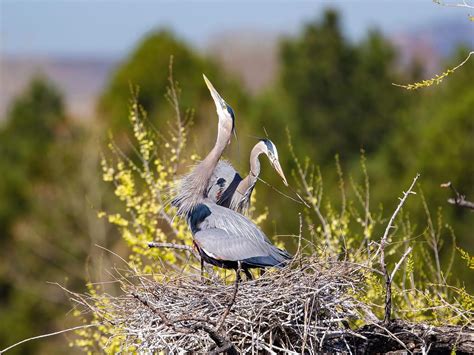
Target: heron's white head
224	111
270	150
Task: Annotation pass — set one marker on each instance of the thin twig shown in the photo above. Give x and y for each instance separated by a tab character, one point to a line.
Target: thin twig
381	250
436	80
49	335
232	301
400	262
300	199
464	3
309	195
174	246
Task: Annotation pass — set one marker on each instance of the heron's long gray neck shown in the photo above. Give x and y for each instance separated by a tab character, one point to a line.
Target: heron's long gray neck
192	189
251	179
205	169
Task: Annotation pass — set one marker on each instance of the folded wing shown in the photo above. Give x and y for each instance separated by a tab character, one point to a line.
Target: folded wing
226	235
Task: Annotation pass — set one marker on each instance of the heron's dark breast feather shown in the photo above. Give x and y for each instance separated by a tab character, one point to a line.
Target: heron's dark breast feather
197	216
225	198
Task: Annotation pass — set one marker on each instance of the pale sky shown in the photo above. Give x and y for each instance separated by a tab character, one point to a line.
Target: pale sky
111	28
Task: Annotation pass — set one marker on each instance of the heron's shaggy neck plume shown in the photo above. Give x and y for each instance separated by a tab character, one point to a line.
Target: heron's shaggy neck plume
192	188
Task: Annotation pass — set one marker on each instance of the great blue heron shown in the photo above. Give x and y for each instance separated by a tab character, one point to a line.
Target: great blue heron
228	189
223	237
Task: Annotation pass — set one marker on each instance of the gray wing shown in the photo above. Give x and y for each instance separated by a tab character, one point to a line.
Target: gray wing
221	178
218	244
228	235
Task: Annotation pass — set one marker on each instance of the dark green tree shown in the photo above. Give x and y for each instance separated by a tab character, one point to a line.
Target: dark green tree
148	68
32	123
50	192
341	92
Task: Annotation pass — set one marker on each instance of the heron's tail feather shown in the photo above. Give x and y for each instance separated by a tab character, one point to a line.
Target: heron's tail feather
277	258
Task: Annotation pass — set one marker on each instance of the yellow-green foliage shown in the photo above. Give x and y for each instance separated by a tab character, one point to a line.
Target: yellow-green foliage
468	258
352	232
437	79
103	338
141	183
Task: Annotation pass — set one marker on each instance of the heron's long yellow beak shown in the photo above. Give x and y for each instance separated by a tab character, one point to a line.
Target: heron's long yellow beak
219	102
279	170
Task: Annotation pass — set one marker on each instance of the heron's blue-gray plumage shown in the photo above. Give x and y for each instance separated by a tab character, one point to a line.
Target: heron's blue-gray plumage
227	236
223	237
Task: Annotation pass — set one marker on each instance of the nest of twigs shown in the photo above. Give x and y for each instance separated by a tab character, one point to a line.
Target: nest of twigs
305	305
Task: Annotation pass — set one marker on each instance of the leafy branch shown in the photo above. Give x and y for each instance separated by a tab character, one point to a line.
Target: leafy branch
435	80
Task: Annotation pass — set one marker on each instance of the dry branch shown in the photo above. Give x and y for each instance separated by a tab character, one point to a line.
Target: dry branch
381	250
174	246
458	200
303	308
309	304
415	338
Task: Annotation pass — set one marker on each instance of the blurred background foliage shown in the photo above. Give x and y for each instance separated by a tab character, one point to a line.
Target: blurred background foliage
148	67
333	95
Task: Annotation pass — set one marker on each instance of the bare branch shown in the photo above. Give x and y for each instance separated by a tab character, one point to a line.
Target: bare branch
464	3
383	244
308	191
400	262
232	301
174	246
436	80
49	335
458	200
390	226
461	203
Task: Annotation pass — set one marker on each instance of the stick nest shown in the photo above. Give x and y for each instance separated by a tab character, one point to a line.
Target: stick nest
308	302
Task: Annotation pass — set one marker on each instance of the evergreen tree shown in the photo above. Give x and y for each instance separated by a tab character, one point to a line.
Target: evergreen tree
31	125
341	92
148	68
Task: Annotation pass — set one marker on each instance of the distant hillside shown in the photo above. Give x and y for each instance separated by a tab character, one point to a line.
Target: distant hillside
253	55
80	80
432	43
250	55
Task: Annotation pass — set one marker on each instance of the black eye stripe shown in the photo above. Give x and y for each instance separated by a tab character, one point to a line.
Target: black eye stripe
269	145
231	113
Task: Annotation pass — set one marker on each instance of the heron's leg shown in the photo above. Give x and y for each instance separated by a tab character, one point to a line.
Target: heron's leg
234	296
248	274
239	269
202	270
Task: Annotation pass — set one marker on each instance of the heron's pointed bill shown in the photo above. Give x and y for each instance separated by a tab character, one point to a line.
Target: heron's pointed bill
218	100
279	170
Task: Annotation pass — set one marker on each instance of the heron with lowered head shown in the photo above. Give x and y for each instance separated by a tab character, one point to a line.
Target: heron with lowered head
227	188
